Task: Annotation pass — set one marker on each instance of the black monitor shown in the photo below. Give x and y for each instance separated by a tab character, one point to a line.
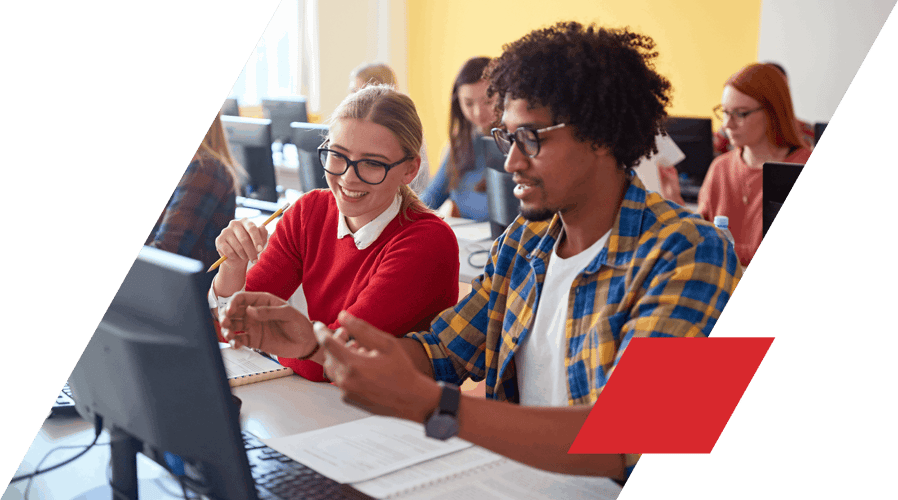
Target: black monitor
282	111
777	182
230	107
250	141
153	375
502	205
307	137
818	131
694	137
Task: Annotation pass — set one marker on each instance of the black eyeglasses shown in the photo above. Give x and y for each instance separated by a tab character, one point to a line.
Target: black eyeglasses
737	116
526	138
368	171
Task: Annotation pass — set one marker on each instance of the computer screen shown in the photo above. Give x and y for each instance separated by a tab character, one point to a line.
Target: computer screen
282	111
694	137
777	182
502	205
307	137
818	131
153	373
230	107
250	142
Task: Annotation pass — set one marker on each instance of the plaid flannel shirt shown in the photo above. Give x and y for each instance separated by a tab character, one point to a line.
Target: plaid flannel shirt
202	205
664	272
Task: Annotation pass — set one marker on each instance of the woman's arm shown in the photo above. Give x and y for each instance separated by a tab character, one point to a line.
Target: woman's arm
438	190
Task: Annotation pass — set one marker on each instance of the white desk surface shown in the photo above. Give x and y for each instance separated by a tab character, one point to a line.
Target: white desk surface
274	408
472	237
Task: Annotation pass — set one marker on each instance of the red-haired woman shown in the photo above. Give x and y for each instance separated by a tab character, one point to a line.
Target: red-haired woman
756	111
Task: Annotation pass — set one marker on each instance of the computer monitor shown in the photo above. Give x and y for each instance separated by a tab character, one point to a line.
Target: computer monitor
153	375
694	137
250	141
282	111
502	205
230	107
818	131
307	137
778	179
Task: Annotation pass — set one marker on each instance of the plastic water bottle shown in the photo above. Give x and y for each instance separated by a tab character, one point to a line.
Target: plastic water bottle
723	222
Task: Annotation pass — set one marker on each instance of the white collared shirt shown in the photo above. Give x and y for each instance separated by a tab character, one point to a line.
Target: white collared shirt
367	234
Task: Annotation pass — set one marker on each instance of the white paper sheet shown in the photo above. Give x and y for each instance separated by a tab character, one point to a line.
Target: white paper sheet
364	449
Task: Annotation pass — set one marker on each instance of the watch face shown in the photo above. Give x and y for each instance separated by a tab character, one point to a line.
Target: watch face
441	426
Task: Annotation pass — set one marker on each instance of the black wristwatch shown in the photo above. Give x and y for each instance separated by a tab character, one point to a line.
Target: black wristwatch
443	422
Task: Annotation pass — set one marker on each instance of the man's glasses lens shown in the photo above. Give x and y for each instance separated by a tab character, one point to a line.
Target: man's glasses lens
527	140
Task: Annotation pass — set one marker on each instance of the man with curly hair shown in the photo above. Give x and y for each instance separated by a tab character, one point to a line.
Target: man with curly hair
594	261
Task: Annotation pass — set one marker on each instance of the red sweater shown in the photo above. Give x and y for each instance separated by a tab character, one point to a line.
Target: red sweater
398	284
734	189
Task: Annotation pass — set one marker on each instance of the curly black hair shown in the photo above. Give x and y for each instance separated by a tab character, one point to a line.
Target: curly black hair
601	81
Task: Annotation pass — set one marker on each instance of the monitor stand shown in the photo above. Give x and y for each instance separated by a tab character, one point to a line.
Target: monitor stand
123	482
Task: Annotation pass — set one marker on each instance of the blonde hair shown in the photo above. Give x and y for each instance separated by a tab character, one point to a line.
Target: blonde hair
383	105
374	74
215	146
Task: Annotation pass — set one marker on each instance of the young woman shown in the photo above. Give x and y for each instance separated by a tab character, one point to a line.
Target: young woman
203	203
366	245
757	114
471	116
381	74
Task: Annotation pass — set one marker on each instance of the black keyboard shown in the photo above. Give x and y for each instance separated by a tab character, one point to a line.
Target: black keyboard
64	404
279	476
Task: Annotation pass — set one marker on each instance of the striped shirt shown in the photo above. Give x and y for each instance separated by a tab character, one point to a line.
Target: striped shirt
664	272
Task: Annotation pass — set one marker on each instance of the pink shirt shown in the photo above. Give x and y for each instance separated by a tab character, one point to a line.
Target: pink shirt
734	189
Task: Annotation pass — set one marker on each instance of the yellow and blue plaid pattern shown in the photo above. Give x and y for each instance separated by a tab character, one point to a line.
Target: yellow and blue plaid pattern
664	272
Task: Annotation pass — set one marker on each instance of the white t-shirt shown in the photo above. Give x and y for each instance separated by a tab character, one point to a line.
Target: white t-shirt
540	361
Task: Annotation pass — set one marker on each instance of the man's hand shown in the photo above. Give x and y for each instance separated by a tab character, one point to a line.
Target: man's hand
375	372
263	321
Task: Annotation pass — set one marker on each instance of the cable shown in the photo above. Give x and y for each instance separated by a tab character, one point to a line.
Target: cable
476	252
98	428
46	456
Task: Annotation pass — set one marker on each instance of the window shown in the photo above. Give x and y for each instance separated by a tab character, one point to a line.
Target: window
285	60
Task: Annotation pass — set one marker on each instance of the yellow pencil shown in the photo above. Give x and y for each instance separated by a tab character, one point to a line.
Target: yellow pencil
269	219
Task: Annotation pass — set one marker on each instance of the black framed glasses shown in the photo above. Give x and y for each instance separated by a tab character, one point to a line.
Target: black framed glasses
368	171
736	115
527	139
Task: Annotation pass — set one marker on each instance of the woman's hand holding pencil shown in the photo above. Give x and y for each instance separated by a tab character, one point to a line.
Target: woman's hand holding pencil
242	241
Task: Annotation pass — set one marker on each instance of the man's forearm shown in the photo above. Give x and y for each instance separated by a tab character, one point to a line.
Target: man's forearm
419	356
539	437
536	436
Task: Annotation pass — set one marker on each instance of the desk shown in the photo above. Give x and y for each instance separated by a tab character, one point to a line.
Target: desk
270	409
473	238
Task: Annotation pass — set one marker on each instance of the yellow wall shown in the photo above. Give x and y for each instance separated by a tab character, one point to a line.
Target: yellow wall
700	43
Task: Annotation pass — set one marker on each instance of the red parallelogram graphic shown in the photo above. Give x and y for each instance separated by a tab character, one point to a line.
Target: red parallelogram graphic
671	395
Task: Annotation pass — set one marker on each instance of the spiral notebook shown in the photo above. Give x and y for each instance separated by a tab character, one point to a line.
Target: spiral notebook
246	366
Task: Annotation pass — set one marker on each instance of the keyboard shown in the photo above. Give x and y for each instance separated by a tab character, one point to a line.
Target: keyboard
64	404
279	476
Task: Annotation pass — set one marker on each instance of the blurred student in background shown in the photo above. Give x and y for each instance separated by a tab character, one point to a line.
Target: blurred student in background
365	245
805	129
757	115
381	74
460	178
203	203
